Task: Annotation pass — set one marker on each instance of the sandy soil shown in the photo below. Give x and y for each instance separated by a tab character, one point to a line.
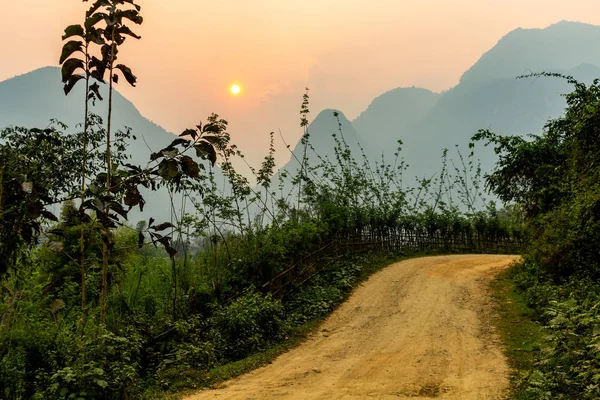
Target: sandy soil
418	329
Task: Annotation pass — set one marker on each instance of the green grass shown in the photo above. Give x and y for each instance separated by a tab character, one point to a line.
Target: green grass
522	336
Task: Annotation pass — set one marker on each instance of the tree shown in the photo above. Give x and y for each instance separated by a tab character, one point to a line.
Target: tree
554	178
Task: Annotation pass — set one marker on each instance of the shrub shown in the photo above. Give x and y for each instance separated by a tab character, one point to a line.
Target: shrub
102	367
247	324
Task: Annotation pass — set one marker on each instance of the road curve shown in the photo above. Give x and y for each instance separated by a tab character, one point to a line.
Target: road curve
418	329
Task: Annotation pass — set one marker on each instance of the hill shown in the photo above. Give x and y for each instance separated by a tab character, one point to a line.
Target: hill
392	114
561	46
33	99
324	131
487	97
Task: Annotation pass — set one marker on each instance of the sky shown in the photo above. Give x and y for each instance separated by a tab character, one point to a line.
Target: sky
346	51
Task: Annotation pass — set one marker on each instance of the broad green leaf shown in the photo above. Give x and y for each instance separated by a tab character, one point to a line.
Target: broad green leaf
107	53
214	128
123	30
166	242
132	198
168	169
169	152
133	4
206	151
118	208
131	15
69	48
99	67
214	140
127	74
95	36
98	204
48	215
179	141
189	132
97	4
69	67
95	89
102	383
96	75
190	167
73	30
70	84
163	226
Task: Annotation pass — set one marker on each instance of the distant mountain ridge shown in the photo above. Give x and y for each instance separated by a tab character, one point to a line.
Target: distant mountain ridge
322	145
32	99
560	46
321	130
488	96
397	110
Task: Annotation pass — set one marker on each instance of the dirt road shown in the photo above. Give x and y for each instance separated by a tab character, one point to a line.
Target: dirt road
417	329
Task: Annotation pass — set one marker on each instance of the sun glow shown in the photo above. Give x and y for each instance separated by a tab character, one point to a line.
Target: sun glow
235	89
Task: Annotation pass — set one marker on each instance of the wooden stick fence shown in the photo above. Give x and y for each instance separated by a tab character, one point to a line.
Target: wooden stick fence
404	241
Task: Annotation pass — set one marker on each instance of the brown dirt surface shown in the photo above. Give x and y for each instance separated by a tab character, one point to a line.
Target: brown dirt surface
418	329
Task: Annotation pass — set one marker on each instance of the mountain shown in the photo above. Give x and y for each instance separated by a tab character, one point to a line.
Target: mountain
324	131
561	46
323	144
321	131
505	106
395	112
487	97
32	99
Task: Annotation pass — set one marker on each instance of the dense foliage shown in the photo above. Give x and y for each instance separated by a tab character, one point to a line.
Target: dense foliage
554	180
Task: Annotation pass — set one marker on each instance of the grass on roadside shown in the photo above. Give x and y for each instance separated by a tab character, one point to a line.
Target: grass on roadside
522	336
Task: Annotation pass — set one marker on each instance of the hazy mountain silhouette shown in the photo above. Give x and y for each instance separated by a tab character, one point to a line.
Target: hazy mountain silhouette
322	130
487	97
505	106
561	46
394	113
322	145
32	99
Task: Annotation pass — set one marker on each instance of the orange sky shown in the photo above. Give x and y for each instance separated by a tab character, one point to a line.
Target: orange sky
346	51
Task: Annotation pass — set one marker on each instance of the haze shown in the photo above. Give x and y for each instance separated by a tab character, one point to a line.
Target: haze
347	52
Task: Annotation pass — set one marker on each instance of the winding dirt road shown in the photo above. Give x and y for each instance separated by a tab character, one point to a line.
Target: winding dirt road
418	329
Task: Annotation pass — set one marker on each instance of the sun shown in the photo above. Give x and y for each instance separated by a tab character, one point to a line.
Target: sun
235	89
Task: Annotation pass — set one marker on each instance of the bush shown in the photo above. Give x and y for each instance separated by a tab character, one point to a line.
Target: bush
327	290
21	354
570	367
313	302
246	325
103	367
